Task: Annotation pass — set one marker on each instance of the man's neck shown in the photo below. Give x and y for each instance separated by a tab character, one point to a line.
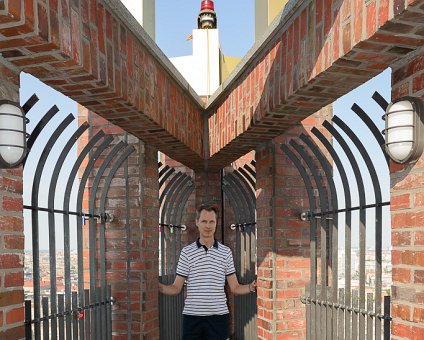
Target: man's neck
208	242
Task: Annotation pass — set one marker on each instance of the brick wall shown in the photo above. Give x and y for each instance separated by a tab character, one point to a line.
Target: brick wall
11	234
283	240
407	208
139	310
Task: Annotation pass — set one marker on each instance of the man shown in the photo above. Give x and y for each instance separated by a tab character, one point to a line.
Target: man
205	264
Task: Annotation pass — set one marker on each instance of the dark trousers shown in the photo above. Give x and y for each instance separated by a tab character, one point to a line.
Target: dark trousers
213	327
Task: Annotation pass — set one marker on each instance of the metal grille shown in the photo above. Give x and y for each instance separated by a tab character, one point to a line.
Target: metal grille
344	313
239	186
85	313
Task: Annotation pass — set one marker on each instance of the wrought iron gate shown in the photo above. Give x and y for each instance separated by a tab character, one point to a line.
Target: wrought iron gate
84	313
175	189
332	312
239	186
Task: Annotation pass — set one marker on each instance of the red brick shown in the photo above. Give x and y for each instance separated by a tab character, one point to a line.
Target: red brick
400	201
15	315
12	203
14	279
401	311
9	261
13	242
401	275
11	223
11	298
400	238
13	333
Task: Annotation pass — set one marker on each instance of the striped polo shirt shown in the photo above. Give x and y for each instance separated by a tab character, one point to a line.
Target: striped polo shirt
205	271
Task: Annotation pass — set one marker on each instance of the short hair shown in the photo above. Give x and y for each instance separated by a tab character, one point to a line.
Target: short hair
208	206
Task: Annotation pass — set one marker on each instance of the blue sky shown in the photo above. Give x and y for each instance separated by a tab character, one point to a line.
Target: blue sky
175	21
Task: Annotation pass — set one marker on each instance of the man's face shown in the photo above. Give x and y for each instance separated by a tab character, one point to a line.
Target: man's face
206	224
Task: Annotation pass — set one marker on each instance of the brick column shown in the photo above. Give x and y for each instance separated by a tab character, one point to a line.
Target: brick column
283	239
407	209
135	249
11	234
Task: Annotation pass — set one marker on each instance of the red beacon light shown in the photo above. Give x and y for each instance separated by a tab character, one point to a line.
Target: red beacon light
207	16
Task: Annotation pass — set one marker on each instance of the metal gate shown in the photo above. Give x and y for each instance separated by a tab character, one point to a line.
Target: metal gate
84	313
175	189
333	312
239	186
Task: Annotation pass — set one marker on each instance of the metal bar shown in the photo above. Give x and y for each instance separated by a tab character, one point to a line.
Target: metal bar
387	319
63	212
355	313
184	200
165	194
128	245
308	312
181	202
74	318
93	236
93	266
312	235
369	317
61	308
34	218
348	222
317	317
341	317
170	198
250	169
240	195
38	128
98	314
379	99
334	231
362	214
87	314
165	177
323	230
248	193
29	104
45	303
66	201
28	326
102	208
51	218
378	234
163	170
109	313
248	177
359	207
372	127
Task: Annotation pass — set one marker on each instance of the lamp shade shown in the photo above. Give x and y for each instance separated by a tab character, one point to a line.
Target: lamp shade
403	132
12	134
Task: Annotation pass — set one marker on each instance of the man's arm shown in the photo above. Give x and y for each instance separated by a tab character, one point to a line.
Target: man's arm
238	289
173	289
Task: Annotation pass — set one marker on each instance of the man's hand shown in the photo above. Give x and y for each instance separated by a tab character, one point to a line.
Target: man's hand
173	289
238	289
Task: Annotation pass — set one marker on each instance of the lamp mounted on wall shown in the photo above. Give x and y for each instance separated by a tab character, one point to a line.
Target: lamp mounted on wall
404	130
13	136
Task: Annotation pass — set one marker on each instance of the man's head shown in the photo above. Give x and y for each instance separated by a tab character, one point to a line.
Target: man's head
206	218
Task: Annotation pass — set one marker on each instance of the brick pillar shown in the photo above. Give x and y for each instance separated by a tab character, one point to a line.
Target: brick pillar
283	239
11	234
407	209
136	249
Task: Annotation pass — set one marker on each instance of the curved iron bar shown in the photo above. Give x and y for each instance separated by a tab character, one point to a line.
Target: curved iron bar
163	170
181	202
38	128
93	295
240	197
166	189
163	179
250	170
101	317
185	196
172	186
312	233
361	192
379	99
66	227
29	104
348	218
34	217
323	201
228	189
102	210
248	177
378	227
373	128
51	216
249	193
325	165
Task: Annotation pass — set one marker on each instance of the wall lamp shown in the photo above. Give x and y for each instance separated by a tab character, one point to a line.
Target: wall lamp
13	136
404	130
